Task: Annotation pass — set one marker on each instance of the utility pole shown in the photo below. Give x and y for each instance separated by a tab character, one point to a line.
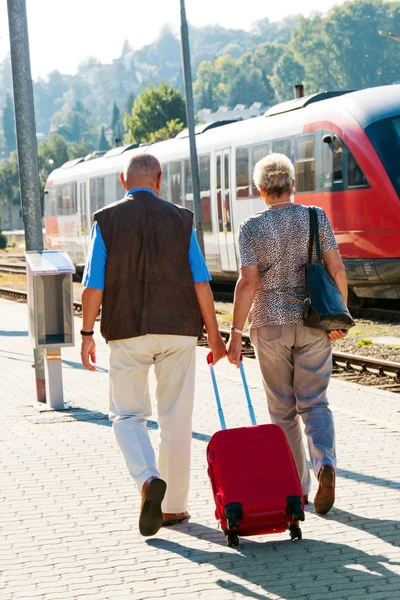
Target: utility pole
27	148
187	72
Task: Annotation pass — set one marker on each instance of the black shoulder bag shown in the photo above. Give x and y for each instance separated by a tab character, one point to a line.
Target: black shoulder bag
324	307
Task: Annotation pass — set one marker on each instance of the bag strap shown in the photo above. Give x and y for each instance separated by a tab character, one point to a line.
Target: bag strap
314	236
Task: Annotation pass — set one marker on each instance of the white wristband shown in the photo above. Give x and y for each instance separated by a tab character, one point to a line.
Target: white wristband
236	330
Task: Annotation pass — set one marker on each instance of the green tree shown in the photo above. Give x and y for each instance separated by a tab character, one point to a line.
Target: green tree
344	50
152	110
53	153
129	103
207	89
8	123
103	143
287	73
9	180
116	124
171	129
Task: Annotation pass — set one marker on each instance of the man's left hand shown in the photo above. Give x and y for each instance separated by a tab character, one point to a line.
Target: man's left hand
88	353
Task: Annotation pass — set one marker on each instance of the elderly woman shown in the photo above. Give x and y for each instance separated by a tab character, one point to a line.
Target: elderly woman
295	361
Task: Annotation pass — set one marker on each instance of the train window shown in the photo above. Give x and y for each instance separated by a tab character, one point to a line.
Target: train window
205	193
66	199
385	136
242	173
305	164
110	190
337	159
188	186
282	147
119	190
227	185
219	194
165	183
258	152
354	173
50	206
96	193
175	182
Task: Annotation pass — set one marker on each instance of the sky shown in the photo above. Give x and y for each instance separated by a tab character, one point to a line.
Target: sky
62	33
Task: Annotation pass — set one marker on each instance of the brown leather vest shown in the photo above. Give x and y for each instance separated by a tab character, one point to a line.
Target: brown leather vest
149	285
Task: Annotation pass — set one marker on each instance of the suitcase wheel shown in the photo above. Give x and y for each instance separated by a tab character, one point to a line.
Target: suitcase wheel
295	533
232	539
294	508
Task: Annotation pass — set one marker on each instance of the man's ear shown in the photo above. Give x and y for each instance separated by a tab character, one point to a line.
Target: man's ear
159	182
122	180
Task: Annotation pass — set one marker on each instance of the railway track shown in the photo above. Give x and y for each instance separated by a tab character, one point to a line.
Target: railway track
223	292
12	268
345	364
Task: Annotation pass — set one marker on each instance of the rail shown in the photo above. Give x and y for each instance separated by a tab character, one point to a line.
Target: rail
349	361
363	364
12	268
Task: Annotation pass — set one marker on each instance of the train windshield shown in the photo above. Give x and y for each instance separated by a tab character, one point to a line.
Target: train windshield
385	136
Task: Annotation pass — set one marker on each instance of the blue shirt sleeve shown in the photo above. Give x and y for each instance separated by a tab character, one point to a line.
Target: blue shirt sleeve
197	262
95	270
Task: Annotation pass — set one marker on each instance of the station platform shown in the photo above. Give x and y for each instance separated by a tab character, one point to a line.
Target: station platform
69	510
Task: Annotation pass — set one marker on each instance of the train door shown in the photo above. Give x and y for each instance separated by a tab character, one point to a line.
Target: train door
83	215
224	210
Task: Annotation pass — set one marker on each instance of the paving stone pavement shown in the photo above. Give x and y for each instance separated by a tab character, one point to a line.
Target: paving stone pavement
69	510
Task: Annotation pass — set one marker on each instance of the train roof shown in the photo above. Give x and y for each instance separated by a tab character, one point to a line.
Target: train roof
288	118
373	104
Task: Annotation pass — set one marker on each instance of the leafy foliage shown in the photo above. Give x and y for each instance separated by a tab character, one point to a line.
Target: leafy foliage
8	123
103	143
171	129
152	110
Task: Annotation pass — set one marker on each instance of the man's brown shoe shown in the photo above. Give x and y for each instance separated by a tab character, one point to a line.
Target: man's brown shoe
325	496
151	517
305	498
174	518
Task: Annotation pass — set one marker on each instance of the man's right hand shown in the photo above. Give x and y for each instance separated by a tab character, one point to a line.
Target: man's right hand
217	347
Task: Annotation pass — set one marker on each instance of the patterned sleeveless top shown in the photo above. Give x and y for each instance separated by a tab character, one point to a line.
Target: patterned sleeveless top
276	240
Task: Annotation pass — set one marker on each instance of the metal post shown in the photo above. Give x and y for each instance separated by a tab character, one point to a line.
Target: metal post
27	147
187	72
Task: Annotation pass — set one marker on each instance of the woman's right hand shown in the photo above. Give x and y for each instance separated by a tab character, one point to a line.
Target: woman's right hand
234	349
337	334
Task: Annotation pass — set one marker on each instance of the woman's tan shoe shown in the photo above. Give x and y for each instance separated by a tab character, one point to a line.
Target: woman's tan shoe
174	518
325	496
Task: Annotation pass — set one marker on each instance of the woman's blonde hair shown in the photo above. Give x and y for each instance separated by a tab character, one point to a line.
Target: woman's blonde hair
274	174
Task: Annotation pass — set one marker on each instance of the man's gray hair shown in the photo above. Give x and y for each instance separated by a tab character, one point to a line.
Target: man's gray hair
142	166
274	174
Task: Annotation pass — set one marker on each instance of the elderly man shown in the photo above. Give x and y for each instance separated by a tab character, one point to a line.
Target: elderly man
146	270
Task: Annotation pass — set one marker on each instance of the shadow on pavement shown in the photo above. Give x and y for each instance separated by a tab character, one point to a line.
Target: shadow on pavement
386	530
289	570
78	365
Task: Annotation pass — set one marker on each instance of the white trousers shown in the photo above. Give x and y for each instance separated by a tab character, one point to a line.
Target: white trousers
173	358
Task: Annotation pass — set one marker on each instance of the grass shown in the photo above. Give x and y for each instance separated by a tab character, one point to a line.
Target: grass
364	343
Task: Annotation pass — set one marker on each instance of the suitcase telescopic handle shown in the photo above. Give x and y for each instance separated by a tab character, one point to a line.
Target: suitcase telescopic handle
217	396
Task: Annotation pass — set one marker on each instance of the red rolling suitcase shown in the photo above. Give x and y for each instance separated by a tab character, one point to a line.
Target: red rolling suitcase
254	478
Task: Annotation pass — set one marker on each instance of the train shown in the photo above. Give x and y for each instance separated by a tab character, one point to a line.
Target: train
345	147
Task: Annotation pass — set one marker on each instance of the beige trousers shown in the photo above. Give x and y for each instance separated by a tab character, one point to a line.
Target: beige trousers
296	365
173	358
